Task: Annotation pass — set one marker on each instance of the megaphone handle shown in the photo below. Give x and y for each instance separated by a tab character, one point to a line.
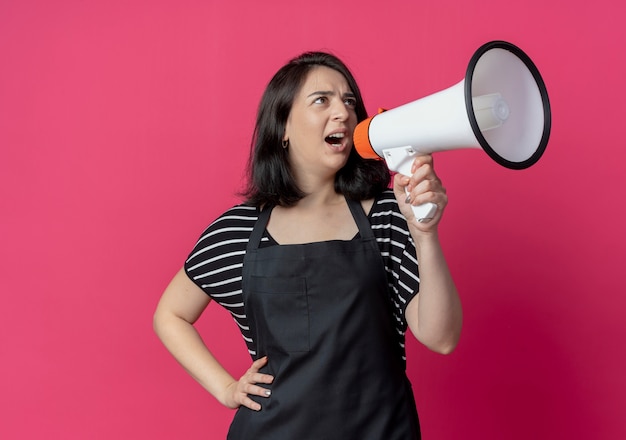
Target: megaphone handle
400	160
425	212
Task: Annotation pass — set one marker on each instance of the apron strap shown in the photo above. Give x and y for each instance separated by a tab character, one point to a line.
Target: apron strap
365	228
259	228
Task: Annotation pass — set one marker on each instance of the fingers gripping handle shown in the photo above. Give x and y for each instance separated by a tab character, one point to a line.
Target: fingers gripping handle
400	160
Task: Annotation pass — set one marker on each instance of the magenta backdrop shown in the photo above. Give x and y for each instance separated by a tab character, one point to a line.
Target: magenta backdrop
124	128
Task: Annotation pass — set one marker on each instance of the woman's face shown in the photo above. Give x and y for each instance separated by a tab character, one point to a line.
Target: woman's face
320	124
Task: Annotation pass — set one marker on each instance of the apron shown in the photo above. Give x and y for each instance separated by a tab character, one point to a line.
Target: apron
322	314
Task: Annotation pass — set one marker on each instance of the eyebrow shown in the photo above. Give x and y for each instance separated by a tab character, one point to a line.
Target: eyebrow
329	93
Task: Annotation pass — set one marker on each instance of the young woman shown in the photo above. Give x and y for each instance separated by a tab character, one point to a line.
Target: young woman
319	268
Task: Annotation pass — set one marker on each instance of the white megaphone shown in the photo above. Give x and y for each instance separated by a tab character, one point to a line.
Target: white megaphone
501	106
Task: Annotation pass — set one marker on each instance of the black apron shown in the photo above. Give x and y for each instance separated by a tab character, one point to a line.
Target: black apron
322	314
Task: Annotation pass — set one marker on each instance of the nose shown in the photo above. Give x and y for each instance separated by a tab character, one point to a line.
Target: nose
341	112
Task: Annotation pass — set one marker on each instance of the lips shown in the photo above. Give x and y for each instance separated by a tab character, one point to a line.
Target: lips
335	139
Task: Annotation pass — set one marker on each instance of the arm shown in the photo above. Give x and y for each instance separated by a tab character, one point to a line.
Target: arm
180	306
435	315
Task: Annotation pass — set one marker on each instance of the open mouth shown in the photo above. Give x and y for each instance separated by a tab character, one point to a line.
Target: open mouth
335	139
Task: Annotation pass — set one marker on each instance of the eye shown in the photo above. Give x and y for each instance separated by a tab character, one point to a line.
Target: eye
350	102
320	100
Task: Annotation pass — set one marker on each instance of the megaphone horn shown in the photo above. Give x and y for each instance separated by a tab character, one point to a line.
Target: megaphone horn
500	106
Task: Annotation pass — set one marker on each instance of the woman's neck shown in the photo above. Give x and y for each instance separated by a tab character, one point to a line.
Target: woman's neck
319	216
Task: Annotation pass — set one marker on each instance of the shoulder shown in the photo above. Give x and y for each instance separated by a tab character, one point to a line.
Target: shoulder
238	214
239	218
227	233
386	210
385	200
388	223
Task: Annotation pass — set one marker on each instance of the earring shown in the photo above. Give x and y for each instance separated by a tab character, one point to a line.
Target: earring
285	143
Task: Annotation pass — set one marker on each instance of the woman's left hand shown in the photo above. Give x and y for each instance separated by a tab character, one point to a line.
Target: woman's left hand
422	186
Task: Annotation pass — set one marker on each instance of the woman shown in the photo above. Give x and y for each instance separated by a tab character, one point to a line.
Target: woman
319	268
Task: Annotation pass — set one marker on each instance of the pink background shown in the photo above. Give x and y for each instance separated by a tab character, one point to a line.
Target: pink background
124	128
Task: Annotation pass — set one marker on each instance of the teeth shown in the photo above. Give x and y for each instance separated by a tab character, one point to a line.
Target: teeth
337	135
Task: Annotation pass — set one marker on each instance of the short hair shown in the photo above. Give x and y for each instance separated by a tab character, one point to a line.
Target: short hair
269	176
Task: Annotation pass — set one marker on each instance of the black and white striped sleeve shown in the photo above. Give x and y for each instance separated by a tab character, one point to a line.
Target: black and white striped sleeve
398	252
215	263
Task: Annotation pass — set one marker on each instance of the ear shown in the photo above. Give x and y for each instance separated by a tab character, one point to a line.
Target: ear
286	128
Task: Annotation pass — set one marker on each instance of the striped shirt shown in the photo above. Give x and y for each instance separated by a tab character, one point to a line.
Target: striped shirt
215	263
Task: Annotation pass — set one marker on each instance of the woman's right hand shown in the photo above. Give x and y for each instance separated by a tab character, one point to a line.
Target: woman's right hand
237	393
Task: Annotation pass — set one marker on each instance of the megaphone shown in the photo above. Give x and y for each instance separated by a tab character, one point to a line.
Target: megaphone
500	106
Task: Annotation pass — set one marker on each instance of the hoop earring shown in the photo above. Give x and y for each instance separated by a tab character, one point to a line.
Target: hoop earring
285	143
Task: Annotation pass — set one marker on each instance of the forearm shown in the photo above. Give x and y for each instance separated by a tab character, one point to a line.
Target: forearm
183	341
437	307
